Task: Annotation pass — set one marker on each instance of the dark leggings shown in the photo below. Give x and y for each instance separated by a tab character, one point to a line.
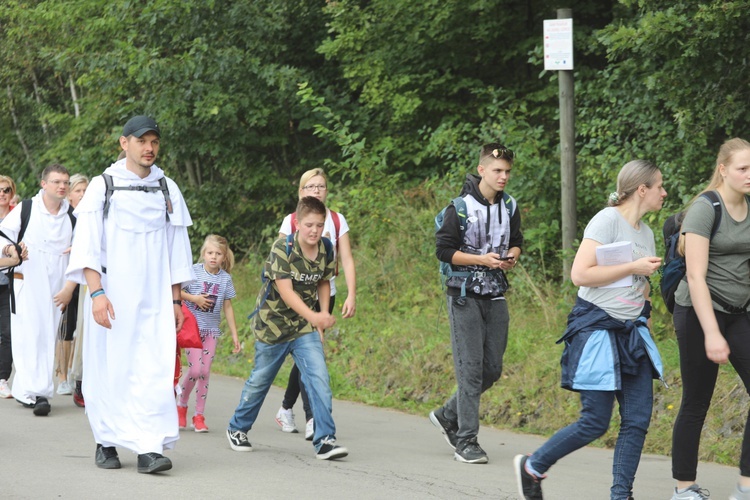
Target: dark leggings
698	381
294	387
6	354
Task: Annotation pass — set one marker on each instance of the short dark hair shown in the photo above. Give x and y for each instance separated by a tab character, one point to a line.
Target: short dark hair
310	205
55	167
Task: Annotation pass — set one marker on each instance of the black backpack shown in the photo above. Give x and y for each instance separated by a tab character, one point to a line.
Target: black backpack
673	269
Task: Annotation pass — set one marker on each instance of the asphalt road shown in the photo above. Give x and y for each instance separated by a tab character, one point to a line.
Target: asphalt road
392	456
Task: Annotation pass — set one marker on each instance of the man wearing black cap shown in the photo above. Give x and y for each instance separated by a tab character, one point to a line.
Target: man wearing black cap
132	250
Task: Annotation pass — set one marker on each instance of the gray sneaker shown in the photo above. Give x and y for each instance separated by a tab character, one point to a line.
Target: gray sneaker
739	495
447	427
694	492
469	452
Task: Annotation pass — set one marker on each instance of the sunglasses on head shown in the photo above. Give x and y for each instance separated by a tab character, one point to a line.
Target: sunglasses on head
6	190
502	153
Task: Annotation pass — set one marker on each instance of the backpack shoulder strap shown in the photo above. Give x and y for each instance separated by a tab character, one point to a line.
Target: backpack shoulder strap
165	191
25	216
329	249
110	187
713	197
510	203
460	206
289	244
336	225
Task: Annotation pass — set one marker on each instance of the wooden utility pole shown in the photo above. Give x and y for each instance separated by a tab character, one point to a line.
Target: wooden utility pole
567	159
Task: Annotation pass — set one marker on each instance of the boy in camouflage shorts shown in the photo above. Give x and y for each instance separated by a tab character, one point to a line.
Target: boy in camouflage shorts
286	323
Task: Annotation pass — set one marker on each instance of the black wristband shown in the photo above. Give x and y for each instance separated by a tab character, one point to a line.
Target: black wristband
177	302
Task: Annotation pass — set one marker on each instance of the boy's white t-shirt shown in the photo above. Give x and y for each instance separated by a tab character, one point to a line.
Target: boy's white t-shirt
329	231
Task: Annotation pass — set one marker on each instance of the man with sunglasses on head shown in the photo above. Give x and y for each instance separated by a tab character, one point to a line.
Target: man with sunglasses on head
480	248
39	287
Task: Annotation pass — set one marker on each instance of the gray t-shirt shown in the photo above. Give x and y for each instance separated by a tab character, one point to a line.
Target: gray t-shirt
728	272
609	226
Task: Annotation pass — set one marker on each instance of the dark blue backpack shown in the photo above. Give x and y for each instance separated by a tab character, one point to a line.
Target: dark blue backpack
289	245
673	270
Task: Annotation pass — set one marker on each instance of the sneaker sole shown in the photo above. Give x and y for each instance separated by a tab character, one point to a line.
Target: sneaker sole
238	448
339	452
156	468
459	458
436	423
42	410
517	472
200	430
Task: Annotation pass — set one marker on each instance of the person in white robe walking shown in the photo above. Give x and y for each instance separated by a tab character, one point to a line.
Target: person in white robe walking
38	284
134	260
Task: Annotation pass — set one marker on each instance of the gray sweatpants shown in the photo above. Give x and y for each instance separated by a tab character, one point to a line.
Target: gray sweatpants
479	336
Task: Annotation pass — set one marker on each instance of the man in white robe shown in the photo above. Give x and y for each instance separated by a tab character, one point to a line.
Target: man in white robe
134	261
37	284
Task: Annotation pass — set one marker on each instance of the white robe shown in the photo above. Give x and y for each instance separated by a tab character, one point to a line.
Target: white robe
129	369
36	320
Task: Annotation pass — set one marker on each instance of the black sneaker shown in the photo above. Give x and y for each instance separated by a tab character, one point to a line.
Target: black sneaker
330	451
529	486
469	452
42	407
148	463
447	427
238	441
106	457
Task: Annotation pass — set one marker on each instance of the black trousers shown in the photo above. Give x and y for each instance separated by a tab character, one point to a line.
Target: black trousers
698	381
6	354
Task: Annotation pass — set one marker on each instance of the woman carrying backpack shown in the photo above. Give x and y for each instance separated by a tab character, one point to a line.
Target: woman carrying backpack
609	354
710	315
315	183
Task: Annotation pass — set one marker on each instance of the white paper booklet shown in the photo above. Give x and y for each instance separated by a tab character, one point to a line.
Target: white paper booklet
616	253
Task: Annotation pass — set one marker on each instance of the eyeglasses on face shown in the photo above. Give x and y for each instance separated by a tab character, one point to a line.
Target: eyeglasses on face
6	190
58	182
315	187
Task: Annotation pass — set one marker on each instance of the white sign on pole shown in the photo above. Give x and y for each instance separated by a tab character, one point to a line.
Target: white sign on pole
558	44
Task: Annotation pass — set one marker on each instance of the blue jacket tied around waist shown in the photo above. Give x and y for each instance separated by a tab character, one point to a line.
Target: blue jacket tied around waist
600	348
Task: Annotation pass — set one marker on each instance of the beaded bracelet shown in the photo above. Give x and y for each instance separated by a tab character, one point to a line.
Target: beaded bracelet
97	293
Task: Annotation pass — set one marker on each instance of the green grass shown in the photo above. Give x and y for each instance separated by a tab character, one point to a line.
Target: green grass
396	351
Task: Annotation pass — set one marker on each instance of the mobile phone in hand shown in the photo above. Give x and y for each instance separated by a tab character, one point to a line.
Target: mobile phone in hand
510	257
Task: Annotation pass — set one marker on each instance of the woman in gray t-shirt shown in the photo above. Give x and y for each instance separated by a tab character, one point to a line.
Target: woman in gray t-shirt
710	334
609	353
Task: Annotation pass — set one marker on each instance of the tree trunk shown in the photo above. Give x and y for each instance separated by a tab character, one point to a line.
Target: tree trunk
25	148
38	98
74	96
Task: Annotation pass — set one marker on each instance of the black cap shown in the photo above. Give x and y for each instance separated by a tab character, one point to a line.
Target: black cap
139	125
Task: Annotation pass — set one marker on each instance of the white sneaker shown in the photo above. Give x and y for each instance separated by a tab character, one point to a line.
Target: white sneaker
739	495
694	492
309	430
63	388
285	419
5	389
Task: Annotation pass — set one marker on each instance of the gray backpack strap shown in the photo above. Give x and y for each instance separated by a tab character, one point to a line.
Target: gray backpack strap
108	193
110	188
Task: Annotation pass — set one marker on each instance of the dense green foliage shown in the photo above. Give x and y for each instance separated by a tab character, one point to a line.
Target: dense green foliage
393	98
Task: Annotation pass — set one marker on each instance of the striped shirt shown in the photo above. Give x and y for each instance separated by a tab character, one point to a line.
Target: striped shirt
219	287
